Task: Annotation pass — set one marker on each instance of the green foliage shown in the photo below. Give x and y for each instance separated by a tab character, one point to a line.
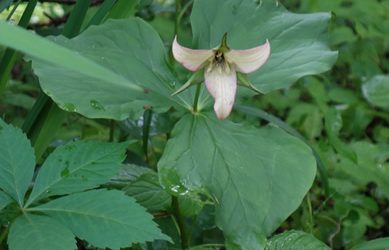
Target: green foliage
92	214
16	162
102	217
139	63
295	240
208	184
4	200
376	91
77	166
50	52
40	232
206	153
379	244
304	53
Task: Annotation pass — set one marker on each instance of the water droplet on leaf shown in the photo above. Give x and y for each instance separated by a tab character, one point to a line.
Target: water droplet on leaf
70	107
96	105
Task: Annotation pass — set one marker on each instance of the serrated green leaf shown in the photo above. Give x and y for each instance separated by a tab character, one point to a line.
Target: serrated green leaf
93	214
132	49
149	193
77	166
295	240
256	176
4	200
129	173
298	46
36	232
376	91
17	161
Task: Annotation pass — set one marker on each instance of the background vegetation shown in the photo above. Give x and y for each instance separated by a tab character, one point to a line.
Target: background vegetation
342	114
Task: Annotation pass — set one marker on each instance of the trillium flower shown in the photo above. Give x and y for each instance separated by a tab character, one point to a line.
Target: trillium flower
220	69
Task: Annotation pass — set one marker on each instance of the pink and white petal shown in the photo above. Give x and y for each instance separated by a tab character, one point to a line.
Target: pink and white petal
191	59
249	60
222	86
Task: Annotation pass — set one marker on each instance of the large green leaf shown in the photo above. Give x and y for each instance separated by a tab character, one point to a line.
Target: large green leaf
36	232
106	219
376	91
56	55
17	162
131	49
297	41
77	166
257	177
295	240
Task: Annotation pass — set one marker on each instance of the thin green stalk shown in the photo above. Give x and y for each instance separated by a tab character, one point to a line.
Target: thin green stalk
13	10
3	235
111	130
34	112
105	7
10	55
180	223
46	128
196	98
183	10
75	20
309	204
177	20
147	117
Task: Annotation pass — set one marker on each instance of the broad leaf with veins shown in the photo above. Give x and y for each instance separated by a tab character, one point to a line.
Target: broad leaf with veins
257	177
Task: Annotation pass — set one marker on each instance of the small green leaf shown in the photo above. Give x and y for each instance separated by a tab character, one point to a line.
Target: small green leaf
149	193
377	244
295	240
39	233
376	91
4	200
106	219
17	162
217	155
77	166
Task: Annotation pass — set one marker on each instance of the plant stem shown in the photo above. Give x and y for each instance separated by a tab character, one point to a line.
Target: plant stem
111	130
183	10
13	10
3	235
147	117
181	223
9	56
196	98
177	22
309	205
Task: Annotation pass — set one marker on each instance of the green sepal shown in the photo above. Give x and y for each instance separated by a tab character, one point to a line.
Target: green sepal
191	81
245	82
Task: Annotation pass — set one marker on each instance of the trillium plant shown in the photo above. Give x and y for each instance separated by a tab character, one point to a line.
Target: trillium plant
168	175
220	67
